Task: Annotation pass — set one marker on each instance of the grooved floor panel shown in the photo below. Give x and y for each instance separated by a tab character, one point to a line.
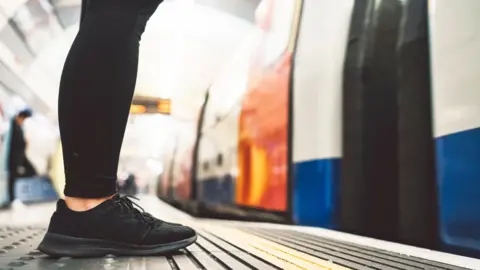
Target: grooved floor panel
220	246
18	251
347	253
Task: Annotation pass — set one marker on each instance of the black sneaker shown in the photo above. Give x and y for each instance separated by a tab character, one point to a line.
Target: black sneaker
115	227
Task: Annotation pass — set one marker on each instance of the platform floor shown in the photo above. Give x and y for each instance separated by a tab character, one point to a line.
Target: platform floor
224	245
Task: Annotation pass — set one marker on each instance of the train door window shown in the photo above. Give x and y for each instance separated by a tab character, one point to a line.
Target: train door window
220	159
278	33
455	46
206	166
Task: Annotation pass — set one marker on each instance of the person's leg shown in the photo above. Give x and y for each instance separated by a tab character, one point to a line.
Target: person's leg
11	188
30	170
83	10
96	91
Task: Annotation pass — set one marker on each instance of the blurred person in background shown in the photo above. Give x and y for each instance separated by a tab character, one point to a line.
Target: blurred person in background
128	185
18	163
96	92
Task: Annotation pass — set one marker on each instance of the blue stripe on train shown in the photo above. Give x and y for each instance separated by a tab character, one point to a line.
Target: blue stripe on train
458	169
315	195
316	192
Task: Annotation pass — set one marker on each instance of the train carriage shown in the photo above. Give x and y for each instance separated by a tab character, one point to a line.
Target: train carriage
455	55
356	115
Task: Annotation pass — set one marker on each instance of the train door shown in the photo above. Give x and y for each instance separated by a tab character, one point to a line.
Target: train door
455	55
263	135
416	166
217	144
195	151
317	103
369	166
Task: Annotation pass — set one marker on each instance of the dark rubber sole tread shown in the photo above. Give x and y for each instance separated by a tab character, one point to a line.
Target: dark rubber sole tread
55	245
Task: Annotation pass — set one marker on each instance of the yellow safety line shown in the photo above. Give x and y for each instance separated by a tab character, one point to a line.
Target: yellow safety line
280	260
283	252
239	240
277	254
300	256
276	260
300	259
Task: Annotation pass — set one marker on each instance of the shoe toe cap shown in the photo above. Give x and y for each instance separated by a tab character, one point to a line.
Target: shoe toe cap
168	234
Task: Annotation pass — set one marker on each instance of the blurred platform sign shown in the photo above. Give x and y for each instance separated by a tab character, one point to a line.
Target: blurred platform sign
142	105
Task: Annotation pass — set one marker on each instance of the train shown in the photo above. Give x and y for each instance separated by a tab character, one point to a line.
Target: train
361	116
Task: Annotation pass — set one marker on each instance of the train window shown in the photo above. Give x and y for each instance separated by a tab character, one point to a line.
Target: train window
220	159
455	45
218	118
206	166
277	38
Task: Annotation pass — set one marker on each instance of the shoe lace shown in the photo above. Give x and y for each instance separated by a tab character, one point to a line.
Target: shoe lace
126	201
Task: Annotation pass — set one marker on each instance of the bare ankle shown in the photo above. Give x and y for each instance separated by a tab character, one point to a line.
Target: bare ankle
84	204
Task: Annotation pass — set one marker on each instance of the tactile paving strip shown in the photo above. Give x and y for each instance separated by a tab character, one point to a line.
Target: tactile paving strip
248	249
348	254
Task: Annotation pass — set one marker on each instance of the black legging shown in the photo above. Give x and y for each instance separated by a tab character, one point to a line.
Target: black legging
96	91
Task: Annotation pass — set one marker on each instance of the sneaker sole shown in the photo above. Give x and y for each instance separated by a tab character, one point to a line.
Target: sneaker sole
56	245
